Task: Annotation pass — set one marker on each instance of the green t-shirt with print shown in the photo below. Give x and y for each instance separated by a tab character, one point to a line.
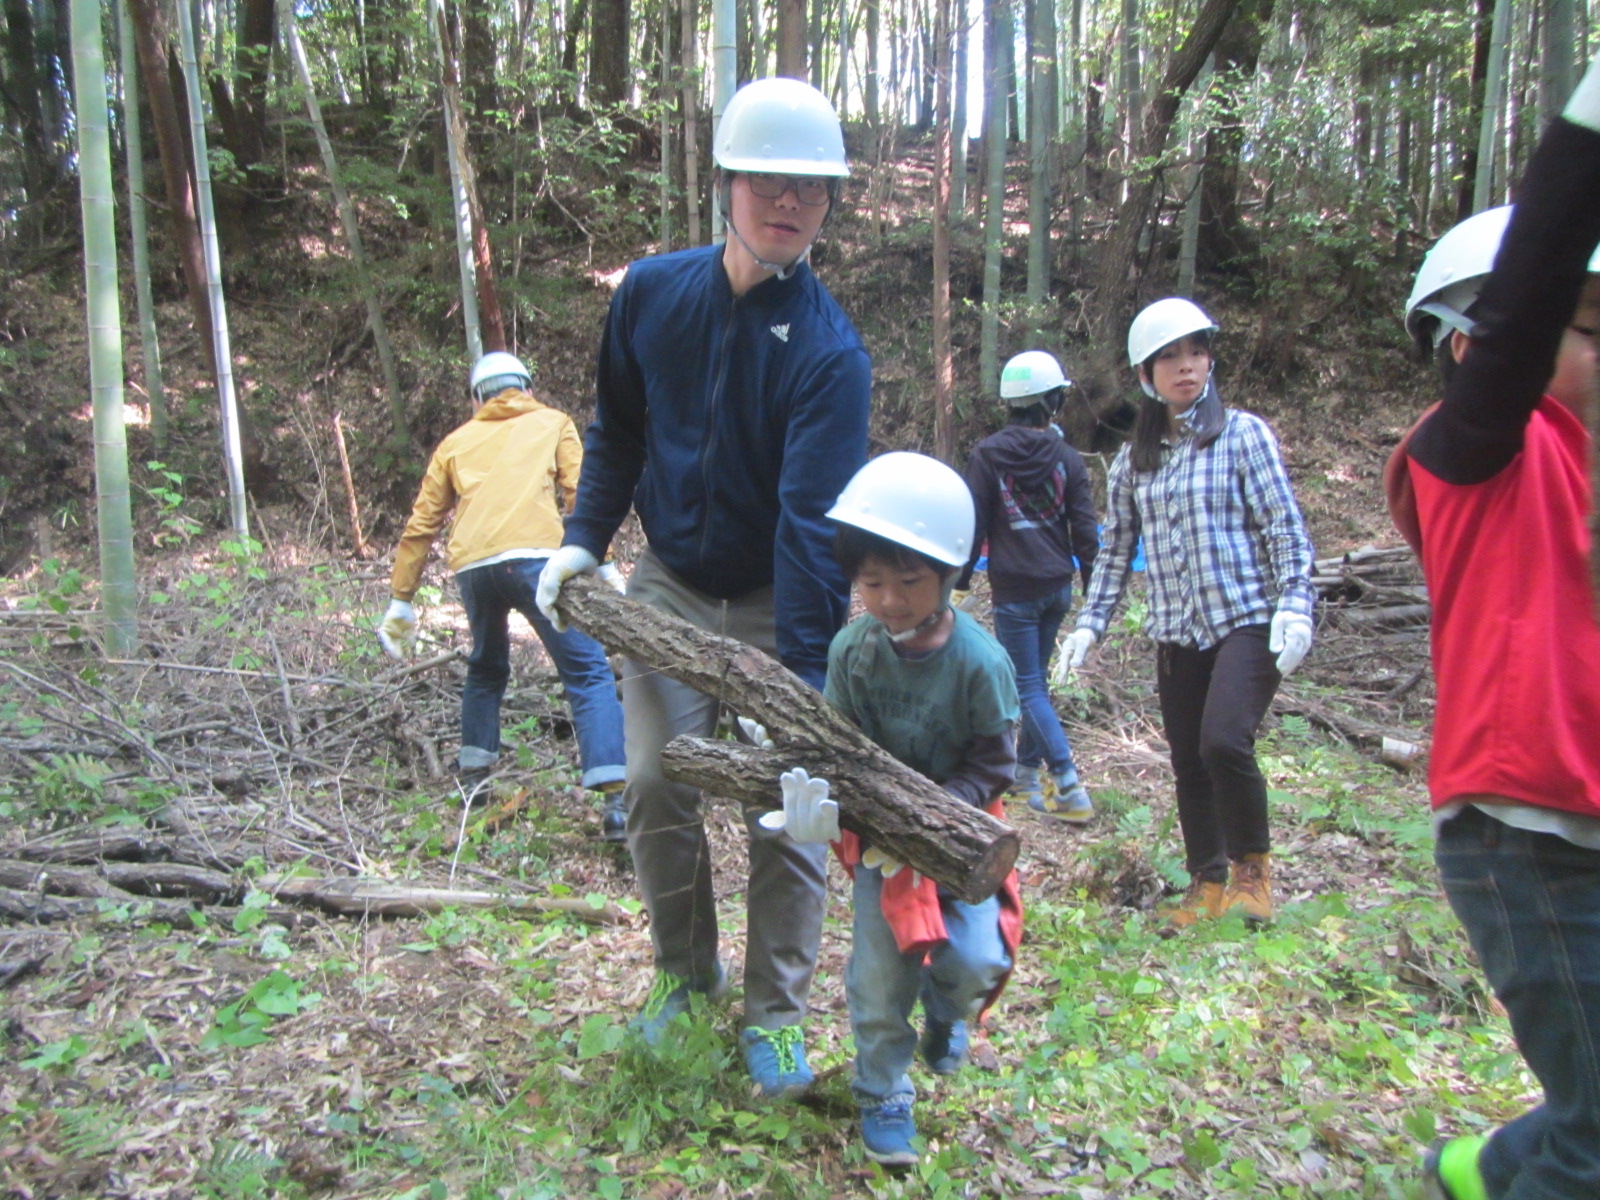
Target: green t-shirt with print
924	711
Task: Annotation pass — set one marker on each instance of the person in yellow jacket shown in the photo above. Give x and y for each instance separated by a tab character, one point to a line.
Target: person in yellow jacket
508	475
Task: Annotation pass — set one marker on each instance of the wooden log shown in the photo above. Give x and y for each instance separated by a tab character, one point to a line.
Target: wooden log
899	811
380	898
120	881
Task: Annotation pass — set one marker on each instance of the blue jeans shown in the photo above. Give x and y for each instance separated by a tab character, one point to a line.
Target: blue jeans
1530	902
489	594
1028	632
883	984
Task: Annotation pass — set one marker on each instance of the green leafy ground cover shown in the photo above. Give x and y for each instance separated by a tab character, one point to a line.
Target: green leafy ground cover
276	1052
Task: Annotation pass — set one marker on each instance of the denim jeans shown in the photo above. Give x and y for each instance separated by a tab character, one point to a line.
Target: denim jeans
489	594
1212	703
1027	629
1530	902
883	984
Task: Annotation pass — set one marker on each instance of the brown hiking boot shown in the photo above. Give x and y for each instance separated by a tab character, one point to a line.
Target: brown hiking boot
1250	888
1203	899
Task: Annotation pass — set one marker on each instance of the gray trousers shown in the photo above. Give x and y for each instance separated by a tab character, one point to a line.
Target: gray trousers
788	882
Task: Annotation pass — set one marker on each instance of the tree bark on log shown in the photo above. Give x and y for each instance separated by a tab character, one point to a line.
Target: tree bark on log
897	810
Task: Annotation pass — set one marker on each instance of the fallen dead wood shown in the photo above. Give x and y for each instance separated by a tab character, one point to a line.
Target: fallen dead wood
37	907
881	799
380	898
119	880
136	845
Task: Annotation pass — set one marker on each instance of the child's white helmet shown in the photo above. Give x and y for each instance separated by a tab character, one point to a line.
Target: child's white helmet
1452	274
495	372
1029	374
780	125
914	501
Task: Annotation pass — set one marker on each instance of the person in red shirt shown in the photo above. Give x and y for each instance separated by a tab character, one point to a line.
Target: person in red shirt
1492	488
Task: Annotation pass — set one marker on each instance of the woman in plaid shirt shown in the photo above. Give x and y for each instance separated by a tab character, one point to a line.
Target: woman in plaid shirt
1230	598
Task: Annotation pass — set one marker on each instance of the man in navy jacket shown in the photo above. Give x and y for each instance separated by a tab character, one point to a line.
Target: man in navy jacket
732	410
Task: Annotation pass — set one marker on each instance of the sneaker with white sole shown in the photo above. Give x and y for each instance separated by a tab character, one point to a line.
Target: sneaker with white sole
887	1131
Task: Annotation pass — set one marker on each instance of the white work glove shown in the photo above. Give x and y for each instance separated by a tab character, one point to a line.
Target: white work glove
398	630
876	860
1074	648
609	575
558	568
757	733
1289	640
808	815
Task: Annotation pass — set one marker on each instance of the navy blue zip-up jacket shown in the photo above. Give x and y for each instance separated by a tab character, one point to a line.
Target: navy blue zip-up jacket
731	424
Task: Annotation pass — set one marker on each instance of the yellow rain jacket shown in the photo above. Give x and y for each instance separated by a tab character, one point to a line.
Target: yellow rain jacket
500	472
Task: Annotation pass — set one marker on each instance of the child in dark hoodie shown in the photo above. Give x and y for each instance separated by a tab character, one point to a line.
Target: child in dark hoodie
1036	511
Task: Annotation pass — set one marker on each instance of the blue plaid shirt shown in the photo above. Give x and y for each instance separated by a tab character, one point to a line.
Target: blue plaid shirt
1223	538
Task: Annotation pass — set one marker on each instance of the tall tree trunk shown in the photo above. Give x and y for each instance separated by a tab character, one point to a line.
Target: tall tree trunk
999	32
1189	245
477	57
477	273
1114	293
113	507
139	234
398	432
1224	238
609	79
1041	137
253	59
943	369
664	96
26	91
691	118
1557	67
958	112
151	41
792	38
1494	91
870	85
232	437
1482	45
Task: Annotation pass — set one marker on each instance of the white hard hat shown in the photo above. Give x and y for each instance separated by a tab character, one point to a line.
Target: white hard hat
1163	323
1452	273
497	371
1029	374
780	125
914	501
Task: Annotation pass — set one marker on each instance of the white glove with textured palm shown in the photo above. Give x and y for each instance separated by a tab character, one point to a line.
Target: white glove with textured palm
756	732
1289	639
808	815
1074	648
398	630
877	860
609	574
558	568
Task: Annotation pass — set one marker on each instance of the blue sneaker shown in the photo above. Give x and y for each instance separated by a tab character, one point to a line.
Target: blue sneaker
1026	786
944	1046
668	1000
776	1060
887	1131
1067	800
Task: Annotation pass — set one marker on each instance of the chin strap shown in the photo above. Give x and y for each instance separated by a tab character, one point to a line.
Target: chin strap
932	618
778	269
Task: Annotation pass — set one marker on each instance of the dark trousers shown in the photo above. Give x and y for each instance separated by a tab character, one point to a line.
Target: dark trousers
1530	902
1212	703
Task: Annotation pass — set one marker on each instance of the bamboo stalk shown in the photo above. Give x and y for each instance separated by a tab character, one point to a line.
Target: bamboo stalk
349	487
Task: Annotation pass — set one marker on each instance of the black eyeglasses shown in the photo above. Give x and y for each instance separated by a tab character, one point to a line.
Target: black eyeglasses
810	190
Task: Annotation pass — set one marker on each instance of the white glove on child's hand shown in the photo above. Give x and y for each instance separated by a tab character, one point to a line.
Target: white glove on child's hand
1289	639
1074	648
876	860
808	816
609	574
398	630
558	568
757	733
